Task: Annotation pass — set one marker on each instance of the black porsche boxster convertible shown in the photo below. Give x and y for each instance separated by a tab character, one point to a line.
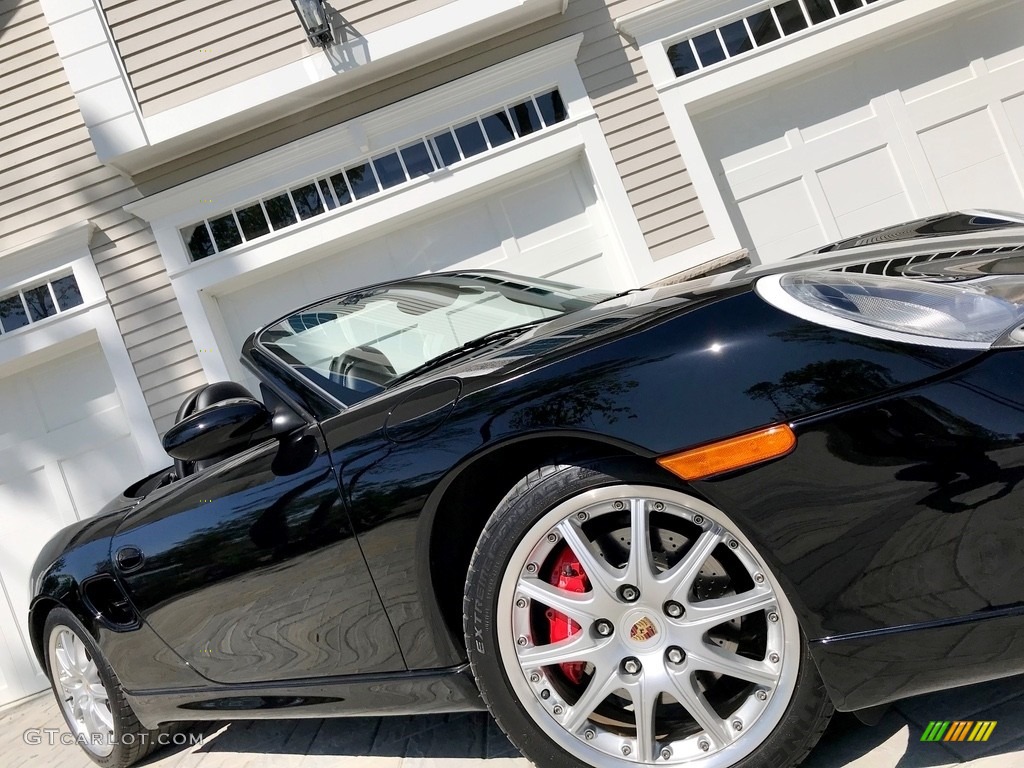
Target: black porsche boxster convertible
675	526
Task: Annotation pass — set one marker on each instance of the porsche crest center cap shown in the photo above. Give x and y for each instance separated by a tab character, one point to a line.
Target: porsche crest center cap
642	631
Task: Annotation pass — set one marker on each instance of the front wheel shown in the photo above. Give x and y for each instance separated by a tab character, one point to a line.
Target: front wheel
611	624
90	696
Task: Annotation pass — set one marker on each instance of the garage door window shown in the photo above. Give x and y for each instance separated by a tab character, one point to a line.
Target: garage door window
370	176
38	302
765	25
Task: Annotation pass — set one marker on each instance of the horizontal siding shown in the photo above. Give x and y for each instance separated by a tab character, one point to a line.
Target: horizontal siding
177	50
50	178
626	103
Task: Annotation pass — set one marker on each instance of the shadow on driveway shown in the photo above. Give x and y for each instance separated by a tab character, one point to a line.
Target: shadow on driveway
893	743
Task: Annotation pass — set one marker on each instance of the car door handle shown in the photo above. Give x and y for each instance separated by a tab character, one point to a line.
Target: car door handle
129	558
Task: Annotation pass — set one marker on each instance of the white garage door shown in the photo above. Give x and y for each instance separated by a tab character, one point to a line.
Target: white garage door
896	132
65	450
551	226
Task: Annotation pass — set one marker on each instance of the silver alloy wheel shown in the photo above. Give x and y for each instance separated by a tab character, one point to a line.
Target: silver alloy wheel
83	696
653	660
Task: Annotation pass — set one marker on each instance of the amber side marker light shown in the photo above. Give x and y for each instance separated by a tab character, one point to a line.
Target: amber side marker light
733	453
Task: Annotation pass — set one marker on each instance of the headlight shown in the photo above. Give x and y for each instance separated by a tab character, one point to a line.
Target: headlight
961	315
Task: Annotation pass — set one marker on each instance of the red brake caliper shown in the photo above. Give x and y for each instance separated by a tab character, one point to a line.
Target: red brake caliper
569	575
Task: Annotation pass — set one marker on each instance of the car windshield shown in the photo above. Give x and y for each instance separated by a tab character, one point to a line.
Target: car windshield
354	345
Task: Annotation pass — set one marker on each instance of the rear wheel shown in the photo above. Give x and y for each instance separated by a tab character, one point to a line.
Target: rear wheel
616	623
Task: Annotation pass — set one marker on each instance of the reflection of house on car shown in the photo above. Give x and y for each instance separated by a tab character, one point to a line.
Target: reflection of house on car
176	173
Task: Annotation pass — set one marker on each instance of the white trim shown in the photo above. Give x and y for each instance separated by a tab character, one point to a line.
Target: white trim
553	66
654	28
66	249
127	139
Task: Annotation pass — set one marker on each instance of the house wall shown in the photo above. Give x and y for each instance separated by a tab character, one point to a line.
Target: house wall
50	178
177	50
615	76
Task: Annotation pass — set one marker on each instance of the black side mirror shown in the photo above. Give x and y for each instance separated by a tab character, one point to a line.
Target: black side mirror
220	429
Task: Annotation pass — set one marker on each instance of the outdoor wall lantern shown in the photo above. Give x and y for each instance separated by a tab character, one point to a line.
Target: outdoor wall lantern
313	15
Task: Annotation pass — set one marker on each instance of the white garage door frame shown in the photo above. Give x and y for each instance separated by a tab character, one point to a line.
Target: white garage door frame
579	137
90	323
654	29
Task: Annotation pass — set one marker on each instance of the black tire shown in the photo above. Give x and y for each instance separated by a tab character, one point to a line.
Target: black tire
131	741
524	718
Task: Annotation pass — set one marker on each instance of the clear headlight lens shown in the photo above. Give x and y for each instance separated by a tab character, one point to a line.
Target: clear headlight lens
931	312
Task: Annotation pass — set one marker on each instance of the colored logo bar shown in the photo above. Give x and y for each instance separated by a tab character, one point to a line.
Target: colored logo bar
959	730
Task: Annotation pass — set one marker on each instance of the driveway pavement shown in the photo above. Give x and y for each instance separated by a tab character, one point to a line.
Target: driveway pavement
474	741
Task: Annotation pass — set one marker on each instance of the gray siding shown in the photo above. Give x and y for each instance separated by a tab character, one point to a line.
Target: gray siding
50	178
627	105
177	50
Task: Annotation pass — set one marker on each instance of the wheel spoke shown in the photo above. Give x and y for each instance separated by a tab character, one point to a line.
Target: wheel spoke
78	653
64	660
103	716
576	605
600	576
722	662
602	683
644	700
711	613
680	577
693	701
640	570
98	691
579	647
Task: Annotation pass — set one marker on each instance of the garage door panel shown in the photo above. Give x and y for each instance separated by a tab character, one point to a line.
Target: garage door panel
863	219
436	245
780	234
96	476
93	386
1015	114
933	123
862	182
542	213
973	135
990	184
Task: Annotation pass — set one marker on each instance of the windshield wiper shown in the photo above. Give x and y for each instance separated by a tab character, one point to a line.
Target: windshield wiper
469	346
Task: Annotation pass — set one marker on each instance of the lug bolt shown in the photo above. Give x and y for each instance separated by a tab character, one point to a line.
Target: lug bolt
535	678
737	725
773	617
666	753
631	666
603	627
704	745
531	567
675	655
733	544
557	710
581	516
673	609
618	505
521	640
520	603
658	506
773	658
545	694
552	538
762	695
589	734
629	593
759	578
698	519
626	750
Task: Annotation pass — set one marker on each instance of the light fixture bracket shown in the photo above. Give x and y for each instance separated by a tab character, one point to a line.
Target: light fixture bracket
315	21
